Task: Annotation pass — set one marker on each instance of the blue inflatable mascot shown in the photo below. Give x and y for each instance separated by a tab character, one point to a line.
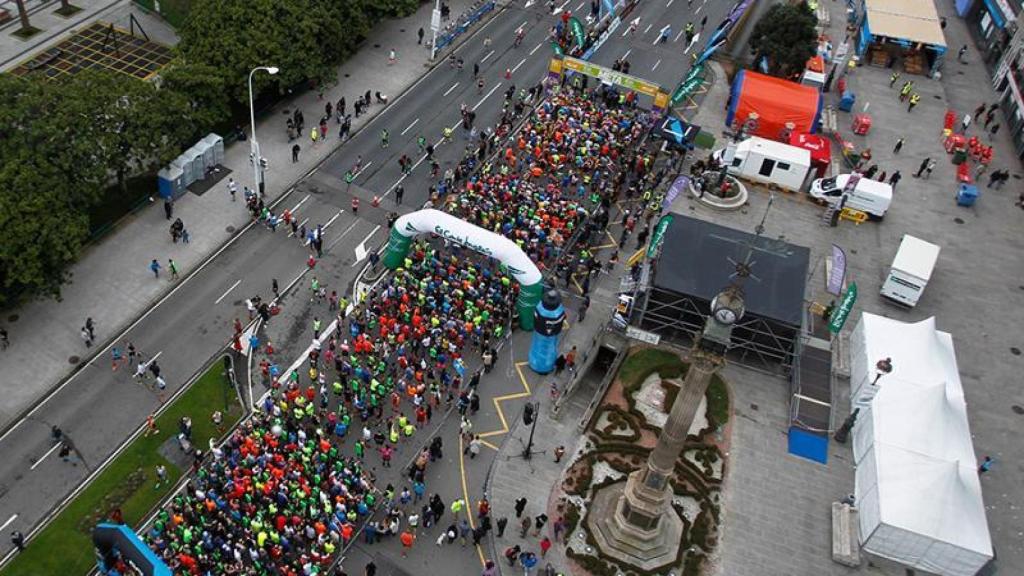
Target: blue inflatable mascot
547	326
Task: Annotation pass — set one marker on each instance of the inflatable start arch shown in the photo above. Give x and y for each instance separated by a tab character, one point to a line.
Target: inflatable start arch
477	239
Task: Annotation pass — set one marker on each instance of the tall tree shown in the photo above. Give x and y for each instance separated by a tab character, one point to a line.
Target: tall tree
132	126
203	88
786	36
41	232
23	15
305	39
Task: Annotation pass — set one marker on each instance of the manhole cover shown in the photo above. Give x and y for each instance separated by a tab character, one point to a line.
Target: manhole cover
236	303
401	29
229	229
853	251
14	317
958	220
376	45
1017	409
347	75
960	72
1015	351
74	360
754	407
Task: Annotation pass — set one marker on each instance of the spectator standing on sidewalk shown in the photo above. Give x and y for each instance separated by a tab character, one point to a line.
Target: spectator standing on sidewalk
155	267
295	152
899	146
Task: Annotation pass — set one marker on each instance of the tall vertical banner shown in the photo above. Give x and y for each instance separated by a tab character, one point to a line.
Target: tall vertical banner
842	312
576	27
834	285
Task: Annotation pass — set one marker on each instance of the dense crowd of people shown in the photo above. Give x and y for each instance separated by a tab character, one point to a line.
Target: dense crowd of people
292	486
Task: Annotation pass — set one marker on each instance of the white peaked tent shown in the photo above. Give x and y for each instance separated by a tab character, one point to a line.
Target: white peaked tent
917	484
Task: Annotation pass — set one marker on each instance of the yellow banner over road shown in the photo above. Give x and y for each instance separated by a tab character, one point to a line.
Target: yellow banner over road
610	76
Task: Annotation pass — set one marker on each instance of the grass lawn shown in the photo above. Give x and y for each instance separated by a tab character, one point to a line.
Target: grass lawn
65	546
642	363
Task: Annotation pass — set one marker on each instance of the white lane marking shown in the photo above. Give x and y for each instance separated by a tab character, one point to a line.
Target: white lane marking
697	11
361	251
656	64
486	56
562	7
333	218
43	457
523	25
8	523
669	5
535	48
228	291
680	35
648	29
409	127
580	7
529	3
521	62
449	91
301	202
343	234
486	96
627	53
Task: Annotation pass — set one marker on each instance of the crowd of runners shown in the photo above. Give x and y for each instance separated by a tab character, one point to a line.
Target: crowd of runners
293	485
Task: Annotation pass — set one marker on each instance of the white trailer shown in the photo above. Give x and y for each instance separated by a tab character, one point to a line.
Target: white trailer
768	162
911	269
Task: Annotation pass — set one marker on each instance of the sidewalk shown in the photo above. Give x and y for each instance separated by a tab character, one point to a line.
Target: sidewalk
112	284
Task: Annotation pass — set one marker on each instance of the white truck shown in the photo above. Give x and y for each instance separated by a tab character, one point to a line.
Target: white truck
866	195
767	161
910	271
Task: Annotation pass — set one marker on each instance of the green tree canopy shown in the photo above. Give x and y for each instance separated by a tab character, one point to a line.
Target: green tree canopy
61	146
786	36
305	39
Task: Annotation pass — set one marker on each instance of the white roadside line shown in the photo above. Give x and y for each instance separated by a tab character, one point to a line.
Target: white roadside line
8	523
409	127
656	64
486	96
361	251
228	291
43	457
521	62
486	56
333	218
449	91
535	48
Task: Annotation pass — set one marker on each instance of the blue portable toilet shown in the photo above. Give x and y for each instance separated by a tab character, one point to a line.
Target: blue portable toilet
847	100
967	195
170	182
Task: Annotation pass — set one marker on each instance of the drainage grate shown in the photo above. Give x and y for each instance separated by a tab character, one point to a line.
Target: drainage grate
1017	409
958	220
230	229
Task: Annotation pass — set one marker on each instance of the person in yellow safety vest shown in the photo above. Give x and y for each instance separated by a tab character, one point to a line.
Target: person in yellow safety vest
402	420
458	505
409	429
393	434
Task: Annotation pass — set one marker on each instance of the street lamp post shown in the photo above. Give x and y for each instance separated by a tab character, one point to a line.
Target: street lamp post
435	23
882	367
254	146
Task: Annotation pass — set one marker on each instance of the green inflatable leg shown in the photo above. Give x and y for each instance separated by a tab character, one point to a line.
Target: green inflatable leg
529	296
398	248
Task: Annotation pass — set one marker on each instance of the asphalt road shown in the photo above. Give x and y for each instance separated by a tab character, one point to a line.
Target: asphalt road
99	408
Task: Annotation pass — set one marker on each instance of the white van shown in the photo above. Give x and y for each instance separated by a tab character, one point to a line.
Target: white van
870	196
767	161
911	269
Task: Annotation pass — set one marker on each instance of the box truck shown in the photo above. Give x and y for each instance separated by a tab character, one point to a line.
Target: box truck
867	195
910	270
767	161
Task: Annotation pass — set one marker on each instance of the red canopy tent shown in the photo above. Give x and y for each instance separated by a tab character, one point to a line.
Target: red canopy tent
821	150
